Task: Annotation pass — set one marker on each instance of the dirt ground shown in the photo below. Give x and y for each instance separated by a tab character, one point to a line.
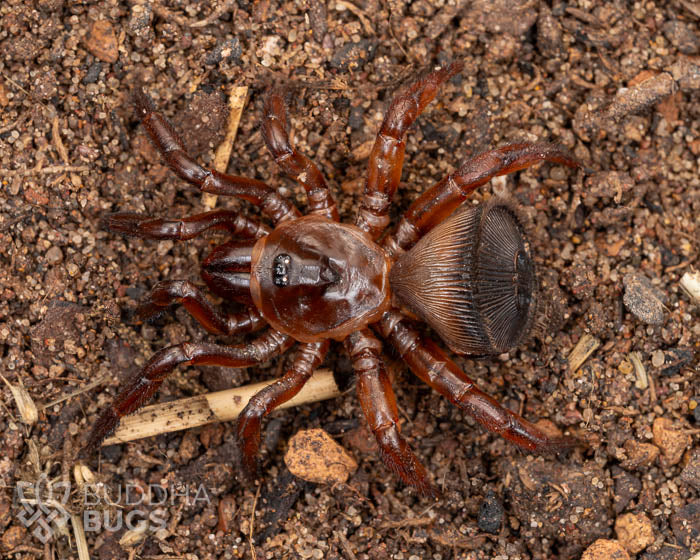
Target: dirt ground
616	83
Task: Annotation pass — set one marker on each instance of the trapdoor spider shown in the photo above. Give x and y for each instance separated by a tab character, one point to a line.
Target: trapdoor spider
465	271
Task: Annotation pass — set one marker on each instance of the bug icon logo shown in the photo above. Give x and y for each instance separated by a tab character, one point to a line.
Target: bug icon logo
43	505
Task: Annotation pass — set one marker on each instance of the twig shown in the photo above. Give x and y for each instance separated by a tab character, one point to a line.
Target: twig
75	393
58	143
410	522
44	170
693	9
224	6
212	407
236	102
254	556
346	545
359	13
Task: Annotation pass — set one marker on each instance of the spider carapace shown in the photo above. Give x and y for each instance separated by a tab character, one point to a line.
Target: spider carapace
466	271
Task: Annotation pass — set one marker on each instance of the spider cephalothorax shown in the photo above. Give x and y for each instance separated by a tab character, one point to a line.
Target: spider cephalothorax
466	271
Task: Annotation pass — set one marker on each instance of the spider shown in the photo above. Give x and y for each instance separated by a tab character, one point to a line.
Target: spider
465	271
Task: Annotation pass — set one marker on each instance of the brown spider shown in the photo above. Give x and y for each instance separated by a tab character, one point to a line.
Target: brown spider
465	271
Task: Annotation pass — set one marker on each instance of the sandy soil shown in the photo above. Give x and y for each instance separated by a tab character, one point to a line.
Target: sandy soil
616	83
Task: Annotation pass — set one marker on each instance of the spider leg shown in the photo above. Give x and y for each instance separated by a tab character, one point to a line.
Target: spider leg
439	201
386	158
308	357
170	292
434	367
172	149
379	406
296	165
148	227
142	387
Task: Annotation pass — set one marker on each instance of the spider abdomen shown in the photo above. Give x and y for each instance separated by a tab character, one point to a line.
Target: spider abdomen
472	279
314	279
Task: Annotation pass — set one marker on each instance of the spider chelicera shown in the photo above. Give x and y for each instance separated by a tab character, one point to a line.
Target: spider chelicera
465	271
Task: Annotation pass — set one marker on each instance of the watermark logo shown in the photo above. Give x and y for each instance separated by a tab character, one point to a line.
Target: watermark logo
43	503
49	506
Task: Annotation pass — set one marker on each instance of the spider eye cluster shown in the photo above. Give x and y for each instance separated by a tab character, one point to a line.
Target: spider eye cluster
280	270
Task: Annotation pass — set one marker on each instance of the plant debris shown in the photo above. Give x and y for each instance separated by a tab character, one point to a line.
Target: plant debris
615	83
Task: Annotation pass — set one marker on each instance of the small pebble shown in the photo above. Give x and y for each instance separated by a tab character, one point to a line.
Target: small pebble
639	454
101	41
686	524
315	456
93	73
140	19
13	537
549	34
490	514
627	487
228	50
690	282
670	441
603	549
682	36
352	56
54	255
5	513
634	531
657	358
581	488
642	299
691	472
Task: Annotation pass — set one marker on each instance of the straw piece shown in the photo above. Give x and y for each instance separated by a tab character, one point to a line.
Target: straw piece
587	344
236	103
212	407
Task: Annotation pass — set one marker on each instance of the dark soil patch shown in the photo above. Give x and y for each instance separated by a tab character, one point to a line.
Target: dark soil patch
616	83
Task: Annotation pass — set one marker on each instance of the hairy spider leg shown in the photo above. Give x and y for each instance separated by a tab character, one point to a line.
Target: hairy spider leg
172	149
386	158
170	292
429	363
440	200
306	360
141	388
294	164
148	227
379	407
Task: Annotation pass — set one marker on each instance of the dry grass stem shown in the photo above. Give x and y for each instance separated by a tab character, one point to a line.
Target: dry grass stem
25	404
236	102
582	351
212	407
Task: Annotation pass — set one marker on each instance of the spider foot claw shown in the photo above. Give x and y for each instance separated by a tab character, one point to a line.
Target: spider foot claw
410	471
104	427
